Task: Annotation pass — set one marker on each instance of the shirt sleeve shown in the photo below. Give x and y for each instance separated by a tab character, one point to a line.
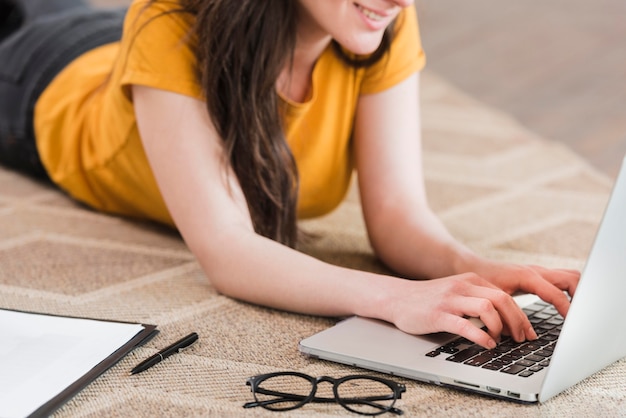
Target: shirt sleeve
404	58
157	48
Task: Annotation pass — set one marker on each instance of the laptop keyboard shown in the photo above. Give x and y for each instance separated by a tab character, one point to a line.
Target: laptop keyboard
522	359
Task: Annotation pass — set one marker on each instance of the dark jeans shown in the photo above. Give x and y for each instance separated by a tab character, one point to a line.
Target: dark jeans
51	34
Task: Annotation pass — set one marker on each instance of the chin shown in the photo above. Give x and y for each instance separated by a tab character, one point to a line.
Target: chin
362	46
361	50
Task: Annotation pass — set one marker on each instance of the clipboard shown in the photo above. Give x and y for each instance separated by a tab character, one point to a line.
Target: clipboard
130	336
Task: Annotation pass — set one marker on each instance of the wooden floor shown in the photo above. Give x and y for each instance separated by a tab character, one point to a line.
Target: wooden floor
559	66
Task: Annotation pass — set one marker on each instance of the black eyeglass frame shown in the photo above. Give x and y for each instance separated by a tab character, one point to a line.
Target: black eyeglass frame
397	388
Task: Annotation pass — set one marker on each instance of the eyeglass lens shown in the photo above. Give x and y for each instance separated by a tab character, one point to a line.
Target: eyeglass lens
365	396
283	392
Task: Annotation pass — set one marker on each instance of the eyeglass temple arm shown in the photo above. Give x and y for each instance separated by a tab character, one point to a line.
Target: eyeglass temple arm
282	397
295	397
368	402
393	410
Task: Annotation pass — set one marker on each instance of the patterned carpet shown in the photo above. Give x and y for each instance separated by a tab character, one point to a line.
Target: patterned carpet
505	192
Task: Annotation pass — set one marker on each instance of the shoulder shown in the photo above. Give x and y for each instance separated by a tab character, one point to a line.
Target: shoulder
159	47
142	13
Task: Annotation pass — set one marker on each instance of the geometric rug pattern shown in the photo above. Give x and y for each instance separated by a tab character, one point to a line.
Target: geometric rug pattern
501	189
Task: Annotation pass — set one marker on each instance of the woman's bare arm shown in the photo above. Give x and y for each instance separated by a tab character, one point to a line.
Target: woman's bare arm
403	230
208	207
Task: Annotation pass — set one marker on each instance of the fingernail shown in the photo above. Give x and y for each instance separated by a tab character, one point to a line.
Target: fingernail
532	335
491	344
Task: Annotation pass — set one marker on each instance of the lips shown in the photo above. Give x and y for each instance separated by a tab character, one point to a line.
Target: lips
370	14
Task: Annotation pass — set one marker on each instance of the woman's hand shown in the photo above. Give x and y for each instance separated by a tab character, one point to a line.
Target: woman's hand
446	304
548	284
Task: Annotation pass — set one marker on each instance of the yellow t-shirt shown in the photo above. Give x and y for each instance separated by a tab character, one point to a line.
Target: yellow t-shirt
87	131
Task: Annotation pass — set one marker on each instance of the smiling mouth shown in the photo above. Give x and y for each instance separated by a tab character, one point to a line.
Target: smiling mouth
370	14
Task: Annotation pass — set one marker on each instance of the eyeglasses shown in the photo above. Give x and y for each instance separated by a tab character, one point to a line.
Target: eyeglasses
365	395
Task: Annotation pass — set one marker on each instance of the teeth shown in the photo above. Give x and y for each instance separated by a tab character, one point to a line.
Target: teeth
370	14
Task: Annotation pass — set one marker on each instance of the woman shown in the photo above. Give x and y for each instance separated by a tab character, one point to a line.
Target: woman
232	119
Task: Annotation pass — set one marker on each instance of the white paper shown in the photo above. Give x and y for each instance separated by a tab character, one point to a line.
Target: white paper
41	355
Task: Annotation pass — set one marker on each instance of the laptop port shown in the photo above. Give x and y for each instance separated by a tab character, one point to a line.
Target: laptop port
467	384
493	390
513	394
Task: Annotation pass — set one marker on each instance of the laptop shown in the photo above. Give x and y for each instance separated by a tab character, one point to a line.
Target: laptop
592	336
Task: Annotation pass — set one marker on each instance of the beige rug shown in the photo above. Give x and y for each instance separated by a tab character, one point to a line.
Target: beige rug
499	188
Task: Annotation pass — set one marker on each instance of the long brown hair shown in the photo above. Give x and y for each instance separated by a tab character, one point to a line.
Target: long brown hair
242	46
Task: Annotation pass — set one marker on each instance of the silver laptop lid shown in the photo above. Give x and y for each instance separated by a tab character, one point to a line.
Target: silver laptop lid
594	334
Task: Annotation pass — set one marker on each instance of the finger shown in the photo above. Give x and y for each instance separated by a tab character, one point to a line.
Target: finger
463	327
542	285
512	317
557	298
557	269
564	279
572	271
484	310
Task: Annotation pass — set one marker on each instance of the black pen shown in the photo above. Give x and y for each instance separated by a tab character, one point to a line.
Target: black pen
165	353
